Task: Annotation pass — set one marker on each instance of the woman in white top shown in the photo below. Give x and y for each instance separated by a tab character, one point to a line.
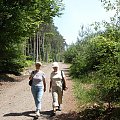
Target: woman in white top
38	86
56	86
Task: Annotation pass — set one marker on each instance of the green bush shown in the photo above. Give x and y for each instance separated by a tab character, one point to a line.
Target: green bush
13	61
70	54
99	62
28	63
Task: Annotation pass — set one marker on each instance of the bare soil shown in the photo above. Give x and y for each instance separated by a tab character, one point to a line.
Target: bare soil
16	101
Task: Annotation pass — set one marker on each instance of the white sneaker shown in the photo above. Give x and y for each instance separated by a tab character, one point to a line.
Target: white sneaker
37	113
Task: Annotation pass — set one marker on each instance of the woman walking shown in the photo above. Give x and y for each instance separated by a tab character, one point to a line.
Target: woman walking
38	86
56	86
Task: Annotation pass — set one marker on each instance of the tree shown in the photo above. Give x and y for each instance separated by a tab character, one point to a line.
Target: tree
19	20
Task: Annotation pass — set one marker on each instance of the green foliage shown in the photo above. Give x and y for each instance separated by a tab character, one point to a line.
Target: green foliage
97	63
83	92
28	63
70	54
111	5
19	19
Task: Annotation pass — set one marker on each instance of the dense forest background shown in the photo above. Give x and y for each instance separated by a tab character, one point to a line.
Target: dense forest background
28	34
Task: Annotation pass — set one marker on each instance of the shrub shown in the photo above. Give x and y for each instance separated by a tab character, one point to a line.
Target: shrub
101	56
70	54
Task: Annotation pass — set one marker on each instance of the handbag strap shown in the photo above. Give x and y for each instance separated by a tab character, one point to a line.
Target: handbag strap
33	72
62	75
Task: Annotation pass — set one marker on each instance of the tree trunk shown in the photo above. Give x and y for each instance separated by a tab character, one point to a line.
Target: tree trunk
34	47
39	41
43	37
37	44
30	47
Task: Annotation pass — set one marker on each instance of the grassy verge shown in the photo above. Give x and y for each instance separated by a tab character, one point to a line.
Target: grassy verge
86	93
87	90
83	93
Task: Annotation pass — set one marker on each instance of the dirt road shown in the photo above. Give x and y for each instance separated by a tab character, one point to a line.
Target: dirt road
16	101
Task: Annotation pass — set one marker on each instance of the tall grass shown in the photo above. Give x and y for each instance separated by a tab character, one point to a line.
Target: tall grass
85	90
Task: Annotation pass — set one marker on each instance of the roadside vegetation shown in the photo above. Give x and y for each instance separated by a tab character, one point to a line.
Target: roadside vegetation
95	65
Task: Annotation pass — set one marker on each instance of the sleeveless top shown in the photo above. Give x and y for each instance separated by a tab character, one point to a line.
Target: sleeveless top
56	78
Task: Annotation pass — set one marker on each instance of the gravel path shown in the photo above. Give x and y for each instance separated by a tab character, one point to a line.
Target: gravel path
16	101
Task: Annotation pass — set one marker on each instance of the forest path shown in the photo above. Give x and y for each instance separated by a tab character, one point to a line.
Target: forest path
16	101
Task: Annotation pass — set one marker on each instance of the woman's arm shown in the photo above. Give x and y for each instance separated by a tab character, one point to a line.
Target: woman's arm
44	83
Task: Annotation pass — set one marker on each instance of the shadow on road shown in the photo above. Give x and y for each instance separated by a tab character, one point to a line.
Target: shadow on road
65	116
6	78
27	113
12	78
91	114
45	114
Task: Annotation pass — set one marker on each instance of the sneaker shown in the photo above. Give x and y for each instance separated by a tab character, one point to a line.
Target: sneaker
59	108
54	113
37	113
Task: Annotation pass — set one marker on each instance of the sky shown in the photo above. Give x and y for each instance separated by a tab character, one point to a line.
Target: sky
77	13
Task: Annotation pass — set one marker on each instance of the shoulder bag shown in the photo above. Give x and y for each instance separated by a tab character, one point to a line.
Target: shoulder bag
63	81
31	81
